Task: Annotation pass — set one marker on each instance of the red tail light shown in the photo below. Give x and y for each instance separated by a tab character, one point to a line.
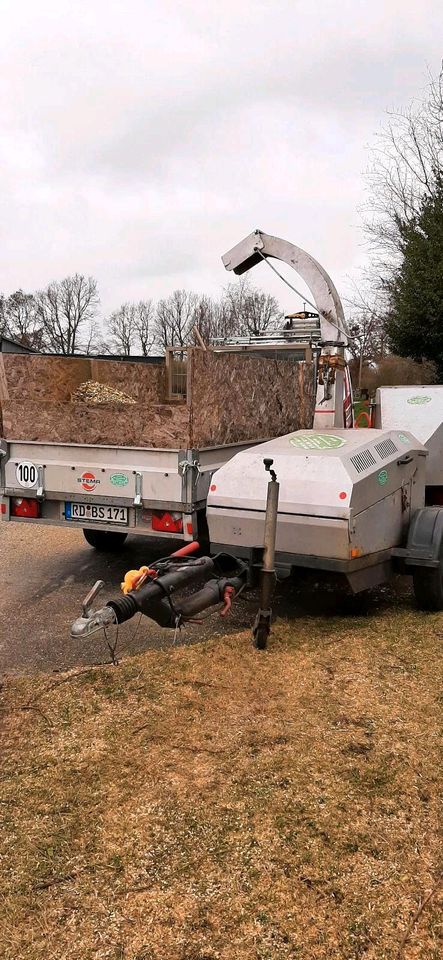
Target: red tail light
3	508
25	508
167	522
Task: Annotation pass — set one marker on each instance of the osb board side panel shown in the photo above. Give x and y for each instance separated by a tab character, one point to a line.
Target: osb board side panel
56	378
144	382
236	398
4	393
44	378
113	424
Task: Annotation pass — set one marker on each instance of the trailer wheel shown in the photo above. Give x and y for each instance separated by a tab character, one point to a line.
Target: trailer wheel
425	542
260	636
104	541
428	587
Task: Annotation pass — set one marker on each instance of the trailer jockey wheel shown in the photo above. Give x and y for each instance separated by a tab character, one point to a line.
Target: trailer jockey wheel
260	636
110	542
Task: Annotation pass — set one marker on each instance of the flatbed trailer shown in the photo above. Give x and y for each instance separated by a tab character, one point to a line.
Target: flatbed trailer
113	490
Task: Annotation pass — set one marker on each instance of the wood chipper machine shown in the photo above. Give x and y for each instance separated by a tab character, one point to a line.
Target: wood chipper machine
358	503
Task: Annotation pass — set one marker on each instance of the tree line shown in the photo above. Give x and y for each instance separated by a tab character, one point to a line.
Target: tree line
64	318
398	303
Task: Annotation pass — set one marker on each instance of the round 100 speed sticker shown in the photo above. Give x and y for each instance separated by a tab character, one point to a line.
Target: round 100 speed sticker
26	473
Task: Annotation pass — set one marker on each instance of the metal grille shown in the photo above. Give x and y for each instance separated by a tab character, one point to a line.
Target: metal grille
362	461
177	375
386	448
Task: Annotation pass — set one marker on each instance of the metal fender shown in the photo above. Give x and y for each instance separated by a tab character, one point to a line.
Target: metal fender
425	539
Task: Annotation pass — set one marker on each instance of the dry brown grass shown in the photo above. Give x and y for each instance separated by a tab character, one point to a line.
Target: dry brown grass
214	802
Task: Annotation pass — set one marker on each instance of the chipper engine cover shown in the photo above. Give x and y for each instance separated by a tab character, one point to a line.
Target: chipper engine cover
346	498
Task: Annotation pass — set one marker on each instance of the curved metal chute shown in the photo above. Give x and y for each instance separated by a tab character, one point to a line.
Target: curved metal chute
259	245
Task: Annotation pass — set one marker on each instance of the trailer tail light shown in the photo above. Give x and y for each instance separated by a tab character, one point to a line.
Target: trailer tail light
3	508
22	507
167	522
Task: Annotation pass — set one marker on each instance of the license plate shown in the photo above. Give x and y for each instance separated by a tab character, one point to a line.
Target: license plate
96	512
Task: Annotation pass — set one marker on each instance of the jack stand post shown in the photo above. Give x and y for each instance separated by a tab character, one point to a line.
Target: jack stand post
262	625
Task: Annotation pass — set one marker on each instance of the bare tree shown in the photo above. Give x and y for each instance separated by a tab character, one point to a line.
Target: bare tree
407	166
212	318
19	319
131	326
3	320
121	328
144	322
64	308
250	311
367	343
176	316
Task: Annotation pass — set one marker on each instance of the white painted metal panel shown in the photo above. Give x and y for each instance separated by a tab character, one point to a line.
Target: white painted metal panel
113	471
310	536
359	481
420	411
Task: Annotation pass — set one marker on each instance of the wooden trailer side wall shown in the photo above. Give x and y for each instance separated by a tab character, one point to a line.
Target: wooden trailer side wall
56	378
36	404
231	398
144	382
113	424
236	397
44	378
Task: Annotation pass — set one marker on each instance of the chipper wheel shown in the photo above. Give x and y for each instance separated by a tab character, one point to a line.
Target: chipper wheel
105	542
428	587
426	540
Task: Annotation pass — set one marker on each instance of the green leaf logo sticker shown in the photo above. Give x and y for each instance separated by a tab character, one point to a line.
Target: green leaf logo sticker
316	441
119	479
382	477
419	399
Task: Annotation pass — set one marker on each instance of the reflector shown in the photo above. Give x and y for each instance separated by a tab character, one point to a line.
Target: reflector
167	522
23	507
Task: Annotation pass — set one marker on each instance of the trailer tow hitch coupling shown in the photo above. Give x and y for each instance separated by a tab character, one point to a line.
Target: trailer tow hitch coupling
157	591
92	620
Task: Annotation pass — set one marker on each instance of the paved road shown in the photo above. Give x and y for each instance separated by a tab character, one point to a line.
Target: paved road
44	574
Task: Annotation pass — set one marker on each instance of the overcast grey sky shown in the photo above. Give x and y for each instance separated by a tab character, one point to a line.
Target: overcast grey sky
140	139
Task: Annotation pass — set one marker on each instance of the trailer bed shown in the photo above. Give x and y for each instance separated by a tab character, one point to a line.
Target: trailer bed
144	467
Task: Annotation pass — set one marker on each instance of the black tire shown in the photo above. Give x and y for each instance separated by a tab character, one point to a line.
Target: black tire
428	587
104	541
260	636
